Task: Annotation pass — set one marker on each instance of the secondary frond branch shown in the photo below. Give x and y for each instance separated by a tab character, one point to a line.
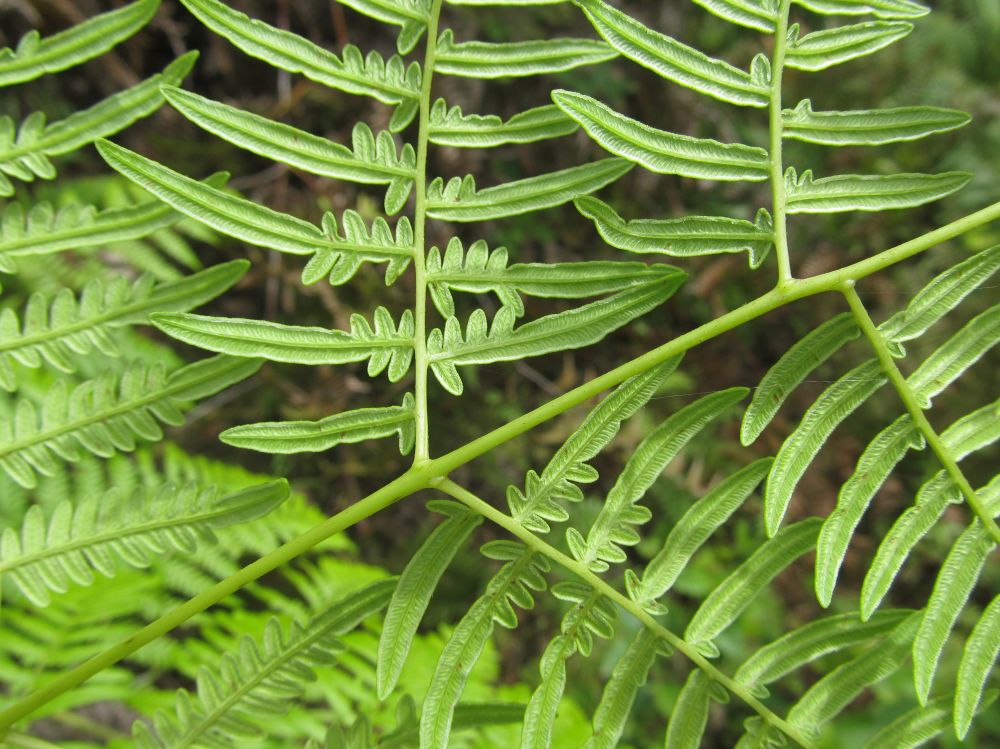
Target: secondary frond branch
540	546
909	398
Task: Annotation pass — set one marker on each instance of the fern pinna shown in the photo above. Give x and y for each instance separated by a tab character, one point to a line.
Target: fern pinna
866	646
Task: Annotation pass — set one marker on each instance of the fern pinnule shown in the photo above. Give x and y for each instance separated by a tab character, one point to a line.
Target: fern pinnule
448	126
515	59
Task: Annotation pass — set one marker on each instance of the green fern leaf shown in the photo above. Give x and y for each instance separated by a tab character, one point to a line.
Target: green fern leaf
761	15
978	657
960	352
369	161
24	155
873	468
384	345
918	726
515	59
262	679
458	199
34	56
449	127
522	572
315	436
868	127
479	270
693	529
823	49
940	296
43	229
629	674
791	369
613	527
931	501
660	151
416	586
952	588
879	8
835	691
391	82
813	641
678	62
107	415
689	718
835	404
411	15
53	332
853	192
574	328
683	237
103	530
538	503
730	597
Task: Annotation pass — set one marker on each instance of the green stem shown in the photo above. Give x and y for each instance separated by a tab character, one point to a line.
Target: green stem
420	476
421	450
536	544
23	741
776	125
909	399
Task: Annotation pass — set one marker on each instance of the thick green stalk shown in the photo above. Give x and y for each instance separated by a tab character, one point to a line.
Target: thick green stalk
909	399
778	197
420	363
540	546
420	477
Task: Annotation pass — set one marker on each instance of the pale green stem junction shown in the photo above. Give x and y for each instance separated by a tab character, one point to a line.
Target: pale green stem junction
778	197
579	569
912	405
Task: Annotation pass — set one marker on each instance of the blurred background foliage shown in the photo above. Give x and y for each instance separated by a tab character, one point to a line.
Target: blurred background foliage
951	60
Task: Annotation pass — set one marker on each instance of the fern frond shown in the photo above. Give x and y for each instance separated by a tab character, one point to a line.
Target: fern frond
53	331
831	694
261	679
581	326
693	529
835	404
612	529
660	151
450	127
879	8
370	160
678	62
315	436
868	127
630	673
108	414
384	345
978	658
682	237
391	82
760	15
35	56
811	642
102	530
853	192
823	49
25	155
459	200
689	717
516	59
478	270
921	724
872	470
538	504
730	597
523	572
416	586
